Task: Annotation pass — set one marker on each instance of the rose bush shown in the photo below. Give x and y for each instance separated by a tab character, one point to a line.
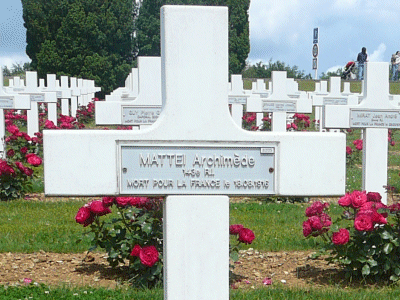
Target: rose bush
364	240
133	235
22	153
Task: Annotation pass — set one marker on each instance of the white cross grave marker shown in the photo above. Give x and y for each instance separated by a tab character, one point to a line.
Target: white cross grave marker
279	102
237	98
334	97
375	114
9	101
195	155
36	95
141	111
129	91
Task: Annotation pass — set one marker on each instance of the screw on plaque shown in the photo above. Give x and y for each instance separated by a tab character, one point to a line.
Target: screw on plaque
271	170
124	170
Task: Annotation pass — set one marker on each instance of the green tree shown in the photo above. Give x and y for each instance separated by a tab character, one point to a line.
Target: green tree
148	28
338	72
82	38
261	70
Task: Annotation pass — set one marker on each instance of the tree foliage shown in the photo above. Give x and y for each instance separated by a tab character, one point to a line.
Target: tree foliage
81	38
148	28
261	70
338	72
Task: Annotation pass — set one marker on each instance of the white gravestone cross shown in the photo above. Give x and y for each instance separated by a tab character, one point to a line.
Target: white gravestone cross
9	101
334	97
36	96
376	114
195	155
141	111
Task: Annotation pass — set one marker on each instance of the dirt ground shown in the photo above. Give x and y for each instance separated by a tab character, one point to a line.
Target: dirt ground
294	268
289	268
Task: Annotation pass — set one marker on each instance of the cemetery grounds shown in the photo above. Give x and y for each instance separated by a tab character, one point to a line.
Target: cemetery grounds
41	259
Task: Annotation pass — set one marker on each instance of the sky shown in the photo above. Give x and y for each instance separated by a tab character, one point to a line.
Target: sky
279	30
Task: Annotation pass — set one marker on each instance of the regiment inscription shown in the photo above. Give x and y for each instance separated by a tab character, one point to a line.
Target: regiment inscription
162	170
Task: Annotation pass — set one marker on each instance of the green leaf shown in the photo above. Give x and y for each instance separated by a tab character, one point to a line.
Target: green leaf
365	270
394	278
386	235
388	248
372	263
234	256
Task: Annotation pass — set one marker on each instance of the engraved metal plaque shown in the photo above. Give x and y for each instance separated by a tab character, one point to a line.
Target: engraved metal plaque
374	118
274	106
237	100
6	102
135	115
37	97
335	101
183	170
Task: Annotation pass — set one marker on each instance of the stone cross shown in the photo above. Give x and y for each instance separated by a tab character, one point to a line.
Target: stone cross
279	102
129	91
237	98
9	101
375	114
36	96
334	97
195	155
141	111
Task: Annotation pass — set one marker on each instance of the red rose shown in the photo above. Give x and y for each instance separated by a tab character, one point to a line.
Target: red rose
33	159
108	201
10	153
341	238
138	201
345	200
246	236
12	129
307	230
148	256
348	150
23	150
97	207
315	223
28	171
136	250
49	124
316	208
358	198
234	229
363	222
122	201
84	216
373	196
325	220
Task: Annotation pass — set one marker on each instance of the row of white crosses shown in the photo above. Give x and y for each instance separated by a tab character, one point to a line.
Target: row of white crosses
280	102
195	155
16	94
137	104
77	90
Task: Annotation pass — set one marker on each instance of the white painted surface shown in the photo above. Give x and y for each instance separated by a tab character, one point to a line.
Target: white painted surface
196	247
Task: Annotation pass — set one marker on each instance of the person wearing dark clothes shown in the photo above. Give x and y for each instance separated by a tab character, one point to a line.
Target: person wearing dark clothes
362	58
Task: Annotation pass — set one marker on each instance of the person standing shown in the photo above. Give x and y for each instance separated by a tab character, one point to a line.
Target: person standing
362	58
395	60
